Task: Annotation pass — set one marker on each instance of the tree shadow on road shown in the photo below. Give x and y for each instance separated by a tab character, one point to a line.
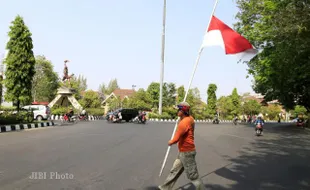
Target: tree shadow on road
280	163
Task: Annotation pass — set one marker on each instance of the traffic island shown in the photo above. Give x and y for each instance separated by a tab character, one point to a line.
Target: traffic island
19	127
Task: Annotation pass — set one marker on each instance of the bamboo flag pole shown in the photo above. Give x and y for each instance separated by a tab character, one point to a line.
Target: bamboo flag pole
189	85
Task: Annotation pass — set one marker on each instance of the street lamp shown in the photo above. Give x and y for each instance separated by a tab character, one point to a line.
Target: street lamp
133	86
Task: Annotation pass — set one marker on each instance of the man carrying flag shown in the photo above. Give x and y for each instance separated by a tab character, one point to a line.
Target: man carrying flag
184	136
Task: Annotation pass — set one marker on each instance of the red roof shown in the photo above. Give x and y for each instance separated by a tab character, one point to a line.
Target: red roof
40	103
122	93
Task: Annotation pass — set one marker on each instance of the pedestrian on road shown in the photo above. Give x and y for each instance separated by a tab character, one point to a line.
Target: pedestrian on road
185	160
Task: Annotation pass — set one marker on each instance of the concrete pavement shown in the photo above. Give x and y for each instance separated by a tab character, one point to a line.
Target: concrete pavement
97	155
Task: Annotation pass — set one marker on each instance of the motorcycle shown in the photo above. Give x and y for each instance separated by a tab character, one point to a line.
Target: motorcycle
66	119
300	123
83	117
138	120
258	129
235	121
115	119
216	121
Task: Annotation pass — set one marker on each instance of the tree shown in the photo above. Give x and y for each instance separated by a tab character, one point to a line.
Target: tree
112	86
20	63
79	84
251	107
281	29
114	102
273	111
140	100
90	99
236	102
153	91
181	94
102	88
1	88
169	94
299	110
45	81
211	103
225	107
125	103
197	106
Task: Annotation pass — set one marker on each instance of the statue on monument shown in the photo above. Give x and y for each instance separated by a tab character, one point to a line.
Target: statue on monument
66	74
65	94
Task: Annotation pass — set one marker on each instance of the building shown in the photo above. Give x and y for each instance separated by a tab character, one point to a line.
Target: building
119	95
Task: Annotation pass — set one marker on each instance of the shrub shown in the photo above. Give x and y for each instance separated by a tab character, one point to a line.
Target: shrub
59	111
172	112
9	118
90	111
152	115
164	115
95	111
3	108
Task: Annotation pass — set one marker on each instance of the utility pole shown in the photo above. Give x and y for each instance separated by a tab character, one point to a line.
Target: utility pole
162	60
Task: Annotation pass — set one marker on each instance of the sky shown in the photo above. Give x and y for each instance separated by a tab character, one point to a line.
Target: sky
121	39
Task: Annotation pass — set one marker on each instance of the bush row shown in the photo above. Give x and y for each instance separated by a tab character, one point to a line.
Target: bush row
3	108
90	111
7	118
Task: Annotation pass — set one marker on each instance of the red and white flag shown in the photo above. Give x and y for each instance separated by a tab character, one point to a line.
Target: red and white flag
219	34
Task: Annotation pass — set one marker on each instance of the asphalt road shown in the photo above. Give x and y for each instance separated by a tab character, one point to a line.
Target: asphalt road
97	155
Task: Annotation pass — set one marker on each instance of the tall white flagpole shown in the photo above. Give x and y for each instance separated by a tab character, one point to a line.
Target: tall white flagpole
160	106
189	85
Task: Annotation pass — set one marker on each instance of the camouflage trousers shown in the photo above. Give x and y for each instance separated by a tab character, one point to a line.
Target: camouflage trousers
184	162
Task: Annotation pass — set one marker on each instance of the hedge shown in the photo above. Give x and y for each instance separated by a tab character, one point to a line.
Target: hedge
7	118
3	108
90	111
164	115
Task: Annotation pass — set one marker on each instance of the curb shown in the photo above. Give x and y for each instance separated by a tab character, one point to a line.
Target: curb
19	127
206	121
90	117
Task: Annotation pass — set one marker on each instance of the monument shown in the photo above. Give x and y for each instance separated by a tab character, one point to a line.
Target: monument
65	95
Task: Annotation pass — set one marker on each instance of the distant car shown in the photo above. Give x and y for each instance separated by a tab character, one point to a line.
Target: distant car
40	112
127	113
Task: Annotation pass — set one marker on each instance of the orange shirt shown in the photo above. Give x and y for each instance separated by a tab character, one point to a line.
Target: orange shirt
185	135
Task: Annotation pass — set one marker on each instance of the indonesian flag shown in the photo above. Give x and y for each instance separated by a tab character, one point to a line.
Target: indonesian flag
219	34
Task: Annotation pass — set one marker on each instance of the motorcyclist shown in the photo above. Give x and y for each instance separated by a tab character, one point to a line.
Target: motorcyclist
141	115
70	113
119	116
235	119
260	121
215	120
83	112
300	120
